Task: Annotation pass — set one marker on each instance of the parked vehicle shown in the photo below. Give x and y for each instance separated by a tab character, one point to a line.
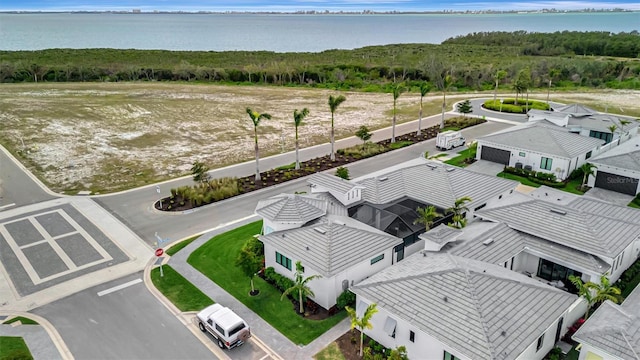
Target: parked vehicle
449	139
224	325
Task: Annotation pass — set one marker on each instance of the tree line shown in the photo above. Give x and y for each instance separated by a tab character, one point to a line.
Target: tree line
376	68
593	43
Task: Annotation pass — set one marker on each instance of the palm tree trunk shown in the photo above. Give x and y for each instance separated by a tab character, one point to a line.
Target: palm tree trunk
333	154
301	304
361	340
495	92
444	106
420	119
297	158
253	290
257	158
393	125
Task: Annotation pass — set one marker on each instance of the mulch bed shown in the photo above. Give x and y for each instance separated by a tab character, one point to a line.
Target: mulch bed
276	176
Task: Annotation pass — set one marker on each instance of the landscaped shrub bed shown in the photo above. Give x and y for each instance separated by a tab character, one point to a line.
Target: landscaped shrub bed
510	105
539	177
629	279
283	283
189	197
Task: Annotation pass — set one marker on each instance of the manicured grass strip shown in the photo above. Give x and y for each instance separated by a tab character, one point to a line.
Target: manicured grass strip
181	245
571	187
331	352
459	160
14	347
216	259
24	320
400	144
179	290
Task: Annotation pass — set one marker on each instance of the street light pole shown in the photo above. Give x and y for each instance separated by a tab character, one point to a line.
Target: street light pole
501	101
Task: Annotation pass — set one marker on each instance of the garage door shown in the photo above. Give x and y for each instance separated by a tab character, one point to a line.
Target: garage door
617	183
496	155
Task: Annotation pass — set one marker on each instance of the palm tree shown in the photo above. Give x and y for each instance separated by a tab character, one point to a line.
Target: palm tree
424	89
623	123
363	322
596	293
552	74
396	90
500	74
446	84
298	116
587	170
256	117
426	216
334	102
458	209
300	286
613	129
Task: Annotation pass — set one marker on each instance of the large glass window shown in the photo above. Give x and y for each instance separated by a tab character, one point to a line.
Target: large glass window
283	260
551	271
377	258
607	137
448	356
545	163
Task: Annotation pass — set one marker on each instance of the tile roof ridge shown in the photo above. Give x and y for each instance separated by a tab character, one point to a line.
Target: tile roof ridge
474	296
553	134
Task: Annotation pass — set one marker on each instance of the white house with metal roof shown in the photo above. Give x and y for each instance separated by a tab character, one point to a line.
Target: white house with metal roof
539	147
340	249
441	306
289	211
584	237
618	169
580	119
612	332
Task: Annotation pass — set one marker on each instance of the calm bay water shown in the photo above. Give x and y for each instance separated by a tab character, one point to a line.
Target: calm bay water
280	33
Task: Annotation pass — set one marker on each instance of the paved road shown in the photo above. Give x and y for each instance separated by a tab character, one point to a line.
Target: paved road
135	209
480	111
125	324
17	187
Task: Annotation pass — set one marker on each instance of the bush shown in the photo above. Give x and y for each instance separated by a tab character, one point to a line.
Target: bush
539	177
342	172
279	281
347	298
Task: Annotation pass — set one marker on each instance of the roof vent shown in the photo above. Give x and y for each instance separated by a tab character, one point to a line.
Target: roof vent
450	169
383	178
488	241
307	248
282	234
445	299
321	231
338	222
558	211
432	166
503	333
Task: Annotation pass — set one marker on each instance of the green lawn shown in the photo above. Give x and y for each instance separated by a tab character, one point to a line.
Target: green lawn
571	186
331	352
179	290
24	320
216	260
459	160
400	144
181	245
13	347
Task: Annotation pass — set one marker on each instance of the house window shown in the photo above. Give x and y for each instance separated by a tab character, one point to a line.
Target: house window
522	154
540	342
448	356
607	137
377	258
545	163
283	260
588	155
412	336
390	327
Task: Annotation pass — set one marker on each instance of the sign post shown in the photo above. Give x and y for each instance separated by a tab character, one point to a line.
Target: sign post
159	252
158	191
501	101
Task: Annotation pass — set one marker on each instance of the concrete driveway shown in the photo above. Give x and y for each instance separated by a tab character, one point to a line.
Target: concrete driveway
486	167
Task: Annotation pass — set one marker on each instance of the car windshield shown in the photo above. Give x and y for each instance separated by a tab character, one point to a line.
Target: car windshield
236	329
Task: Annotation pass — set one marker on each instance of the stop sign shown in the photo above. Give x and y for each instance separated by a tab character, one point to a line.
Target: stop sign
159	252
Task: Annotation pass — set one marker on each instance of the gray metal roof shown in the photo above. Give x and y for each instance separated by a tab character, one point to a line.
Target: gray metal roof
576	110
501	243
331	246
624	156
590	233
614	329
600	122
291	208
546	139
332	182
434	183
602	208
483	311
442	234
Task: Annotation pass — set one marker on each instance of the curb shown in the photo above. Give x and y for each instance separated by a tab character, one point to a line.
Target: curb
57	340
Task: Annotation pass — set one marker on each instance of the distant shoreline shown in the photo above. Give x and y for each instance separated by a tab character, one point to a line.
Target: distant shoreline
313	12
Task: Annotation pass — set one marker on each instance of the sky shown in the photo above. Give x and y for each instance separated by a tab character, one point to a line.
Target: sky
304	5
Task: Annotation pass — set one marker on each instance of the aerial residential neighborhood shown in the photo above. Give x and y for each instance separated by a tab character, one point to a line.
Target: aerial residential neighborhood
443	262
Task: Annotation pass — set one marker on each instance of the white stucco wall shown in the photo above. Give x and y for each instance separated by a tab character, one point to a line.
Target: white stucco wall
353	196
625	259
327	289
424	346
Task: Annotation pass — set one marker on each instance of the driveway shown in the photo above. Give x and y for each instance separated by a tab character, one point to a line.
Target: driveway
609	196
486	167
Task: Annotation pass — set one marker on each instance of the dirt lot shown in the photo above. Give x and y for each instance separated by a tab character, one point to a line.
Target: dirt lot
112	136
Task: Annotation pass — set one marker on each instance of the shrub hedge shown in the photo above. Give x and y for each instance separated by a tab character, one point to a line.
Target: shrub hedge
539	177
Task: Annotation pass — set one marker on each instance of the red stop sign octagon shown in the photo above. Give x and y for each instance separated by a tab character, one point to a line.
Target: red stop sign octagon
159	252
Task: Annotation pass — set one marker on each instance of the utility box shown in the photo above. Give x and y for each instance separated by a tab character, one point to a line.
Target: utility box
449	139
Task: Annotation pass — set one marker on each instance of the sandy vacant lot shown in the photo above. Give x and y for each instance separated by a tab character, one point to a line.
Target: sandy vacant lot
111	136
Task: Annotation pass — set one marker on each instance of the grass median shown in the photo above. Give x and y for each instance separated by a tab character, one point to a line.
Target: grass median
216	260
183	294
14	347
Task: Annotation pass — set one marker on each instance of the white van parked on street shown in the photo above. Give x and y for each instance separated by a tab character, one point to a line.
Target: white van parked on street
449	139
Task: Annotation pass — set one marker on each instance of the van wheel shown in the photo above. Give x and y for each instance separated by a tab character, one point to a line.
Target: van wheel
201	326
220	344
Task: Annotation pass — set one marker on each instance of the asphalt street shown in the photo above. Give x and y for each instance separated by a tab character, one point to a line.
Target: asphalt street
124	324
17	188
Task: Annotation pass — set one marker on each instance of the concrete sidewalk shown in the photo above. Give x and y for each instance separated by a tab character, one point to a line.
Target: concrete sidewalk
268	335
